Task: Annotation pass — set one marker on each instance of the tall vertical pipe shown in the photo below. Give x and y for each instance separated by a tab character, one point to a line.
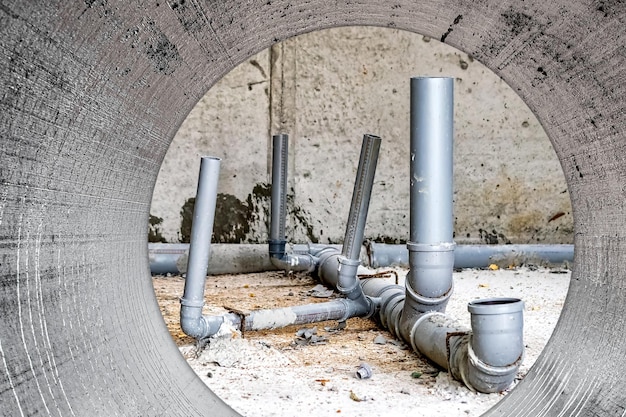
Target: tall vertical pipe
192	301
432	133
431	247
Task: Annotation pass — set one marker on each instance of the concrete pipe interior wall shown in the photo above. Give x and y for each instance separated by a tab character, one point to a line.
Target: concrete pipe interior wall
326	89
93	93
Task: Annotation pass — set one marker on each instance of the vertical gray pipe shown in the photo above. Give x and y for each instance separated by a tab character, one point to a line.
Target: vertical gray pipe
280	150
200	246
432	110
431	248
277	241
355	229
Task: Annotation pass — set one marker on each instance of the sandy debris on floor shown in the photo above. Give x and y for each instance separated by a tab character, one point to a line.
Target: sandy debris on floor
277	373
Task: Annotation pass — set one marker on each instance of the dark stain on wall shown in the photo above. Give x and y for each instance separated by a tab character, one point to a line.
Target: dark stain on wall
493	237
154	230
234	217
231	219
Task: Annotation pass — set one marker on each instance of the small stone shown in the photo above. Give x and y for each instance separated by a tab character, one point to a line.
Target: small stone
380	340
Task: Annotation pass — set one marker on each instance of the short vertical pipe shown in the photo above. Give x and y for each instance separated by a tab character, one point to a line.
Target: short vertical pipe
355	229
201	232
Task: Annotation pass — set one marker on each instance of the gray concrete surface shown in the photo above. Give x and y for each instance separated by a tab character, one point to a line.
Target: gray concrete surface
92	95
326	89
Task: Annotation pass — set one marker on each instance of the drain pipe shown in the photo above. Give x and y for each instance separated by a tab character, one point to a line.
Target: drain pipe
237	258
487	357
381	255
431	246
340	270
191	320
277	241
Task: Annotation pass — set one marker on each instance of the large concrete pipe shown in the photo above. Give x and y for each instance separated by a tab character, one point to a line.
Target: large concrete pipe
92	94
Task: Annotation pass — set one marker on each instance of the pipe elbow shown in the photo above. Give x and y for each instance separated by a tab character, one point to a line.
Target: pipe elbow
477	375
294	262
195	325
491	355
192	323
490	379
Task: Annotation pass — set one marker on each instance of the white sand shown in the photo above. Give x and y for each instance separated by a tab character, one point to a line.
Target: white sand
260	380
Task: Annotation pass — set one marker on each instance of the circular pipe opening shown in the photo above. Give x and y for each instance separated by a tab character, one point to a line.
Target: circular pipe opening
495	306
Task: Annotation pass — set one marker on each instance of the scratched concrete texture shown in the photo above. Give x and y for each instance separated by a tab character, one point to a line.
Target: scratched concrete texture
94	91
326	89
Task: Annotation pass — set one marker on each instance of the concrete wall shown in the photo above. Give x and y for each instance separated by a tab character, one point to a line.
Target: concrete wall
326	89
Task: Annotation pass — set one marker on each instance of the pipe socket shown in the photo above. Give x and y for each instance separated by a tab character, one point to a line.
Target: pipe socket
496	346
429	281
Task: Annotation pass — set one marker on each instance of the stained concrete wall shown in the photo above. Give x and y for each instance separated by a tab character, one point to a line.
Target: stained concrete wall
326	89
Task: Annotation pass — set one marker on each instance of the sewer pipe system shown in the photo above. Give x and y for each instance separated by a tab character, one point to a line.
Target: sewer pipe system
486	358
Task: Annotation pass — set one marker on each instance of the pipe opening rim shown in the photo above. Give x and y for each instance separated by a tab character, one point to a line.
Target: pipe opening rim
210	158
426	77
498	305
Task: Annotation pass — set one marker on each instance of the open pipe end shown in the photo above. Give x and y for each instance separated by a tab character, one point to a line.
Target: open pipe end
496	347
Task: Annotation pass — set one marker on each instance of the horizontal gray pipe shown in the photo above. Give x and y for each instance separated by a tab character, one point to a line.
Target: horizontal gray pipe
476	256
340	309
171	258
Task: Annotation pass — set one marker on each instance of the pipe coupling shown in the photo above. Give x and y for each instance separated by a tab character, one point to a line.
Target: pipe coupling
347	282
431	267
391	298
277	248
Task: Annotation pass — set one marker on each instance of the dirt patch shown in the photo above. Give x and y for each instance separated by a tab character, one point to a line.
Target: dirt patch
278	373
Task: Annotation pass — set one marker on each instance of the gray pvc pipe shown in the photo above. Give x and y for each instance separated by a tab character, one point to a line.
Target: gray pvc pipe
227	258
277	242
432	110
280	151
431	245
476	256
340	270
357	218
340	310
192	300
485	358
